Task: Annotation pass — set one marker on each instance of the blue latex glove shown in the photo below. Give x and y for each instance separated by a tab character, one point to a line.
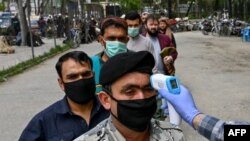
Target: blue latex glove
164	106
183	103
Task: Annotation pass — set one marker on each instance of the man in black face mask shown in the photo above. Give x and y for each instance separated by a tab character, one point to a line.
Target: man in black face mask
77	112
131	100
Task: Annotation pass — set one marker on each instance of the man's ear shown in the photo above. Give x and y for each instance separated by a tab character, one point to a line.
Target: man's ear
105	100
127	39
61	84
101	40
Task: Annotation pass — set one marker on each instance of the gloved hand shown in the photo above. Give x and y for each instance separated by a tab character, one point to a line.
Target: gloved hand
183	103
164	107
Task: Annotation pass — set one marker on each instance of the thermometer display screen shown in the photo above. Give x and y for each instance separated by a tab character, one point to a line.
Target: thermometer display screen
173	83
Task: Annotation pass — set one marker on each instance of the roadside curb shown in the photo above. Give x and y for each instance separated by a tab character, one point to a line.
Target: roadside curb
24	65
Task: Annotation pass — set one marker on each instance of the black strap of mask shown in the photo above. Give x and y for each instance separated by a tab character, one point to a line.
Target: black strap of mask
117	103
113	98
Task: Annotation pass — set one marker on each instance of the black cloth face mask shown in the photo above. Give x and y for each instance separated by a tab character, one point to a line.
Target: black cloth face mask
81	91
135	114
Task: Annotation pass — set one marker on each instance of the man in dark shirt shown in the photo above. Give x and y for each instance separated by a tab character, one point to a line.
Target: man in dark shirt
16	25
42	26
77	112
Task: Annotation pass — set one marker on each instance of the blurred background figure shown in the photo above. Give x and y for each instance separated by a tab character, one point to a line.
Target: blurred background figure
67	25
144	16
42	26
92	27
16	24
164	28
60	26
49	27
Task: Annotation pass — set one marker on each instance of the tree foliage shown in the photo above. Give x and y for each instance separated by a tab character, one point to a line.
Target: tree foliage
236	8
2	7
128	5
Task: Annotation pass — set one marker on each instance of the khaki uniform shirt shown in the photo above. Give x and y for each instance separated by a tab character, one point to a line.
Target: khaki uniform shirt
106	131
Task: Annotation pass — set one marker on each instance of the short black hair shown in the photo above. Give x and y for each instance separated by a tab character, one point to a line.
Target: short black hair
151	17
123	63
133	15
78	56
113	21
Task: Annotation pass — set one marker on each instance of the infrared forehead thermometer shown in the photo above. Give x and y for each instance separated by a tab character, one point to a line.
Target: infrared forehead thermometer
172	85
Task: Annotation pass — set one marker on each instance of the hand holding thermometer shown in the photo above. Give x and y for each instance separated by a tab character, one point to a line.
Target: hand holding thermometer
170	83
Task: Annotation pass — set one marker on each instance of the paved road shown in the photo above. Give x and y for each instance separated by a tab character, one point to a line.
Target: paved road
23	53
28	93
216	70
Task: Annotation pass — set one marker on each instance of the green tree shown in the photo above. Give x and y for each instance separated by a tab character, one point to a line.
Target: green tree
2	7
128	5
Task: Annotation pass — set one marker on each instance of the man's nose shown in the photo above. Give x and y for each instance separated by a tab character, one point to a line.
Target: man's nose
141	95
80	77
155	26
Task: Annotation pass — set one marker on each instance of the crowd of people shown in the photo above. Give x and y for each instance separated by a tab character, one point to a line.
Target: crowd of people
109	97
58	25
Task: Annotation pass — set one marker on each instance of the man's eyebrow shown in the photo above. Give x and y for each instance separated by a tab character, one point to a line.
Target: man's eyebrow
87	71
148	85
111	36
71	74
129	86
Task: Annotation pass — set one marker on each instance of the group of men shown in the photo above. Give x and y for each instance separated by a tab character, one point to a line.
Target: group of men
109	96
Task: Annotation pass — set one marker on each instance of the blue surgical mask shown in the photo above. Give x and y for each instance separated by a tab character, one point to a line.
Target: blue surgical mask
115	47
132	32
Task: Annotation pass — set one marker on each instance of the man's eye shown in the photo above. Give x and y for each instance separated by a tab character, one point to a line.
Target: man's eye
111	38
130	92
122	39
87	74
72	77
149	89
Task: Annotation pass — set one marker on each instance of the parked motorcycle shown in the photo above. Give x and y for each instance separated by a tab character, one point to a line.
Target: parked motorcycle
206	26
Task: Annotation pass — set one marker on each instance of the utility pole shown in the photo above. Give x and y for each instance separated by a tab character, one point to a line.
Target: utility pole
86	24
230	8
189	8
53	23
178	8
80	9
245	10
31	36
169	9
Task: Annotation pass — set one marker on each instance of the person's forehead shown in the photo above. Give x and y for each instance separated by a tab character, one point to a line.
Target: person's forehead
113	31
133	78
70	64
132	21
151	21
162	22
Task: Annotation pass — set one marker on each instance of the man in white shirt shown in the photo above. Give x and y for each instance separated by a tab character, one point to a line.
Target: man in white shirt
136	41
